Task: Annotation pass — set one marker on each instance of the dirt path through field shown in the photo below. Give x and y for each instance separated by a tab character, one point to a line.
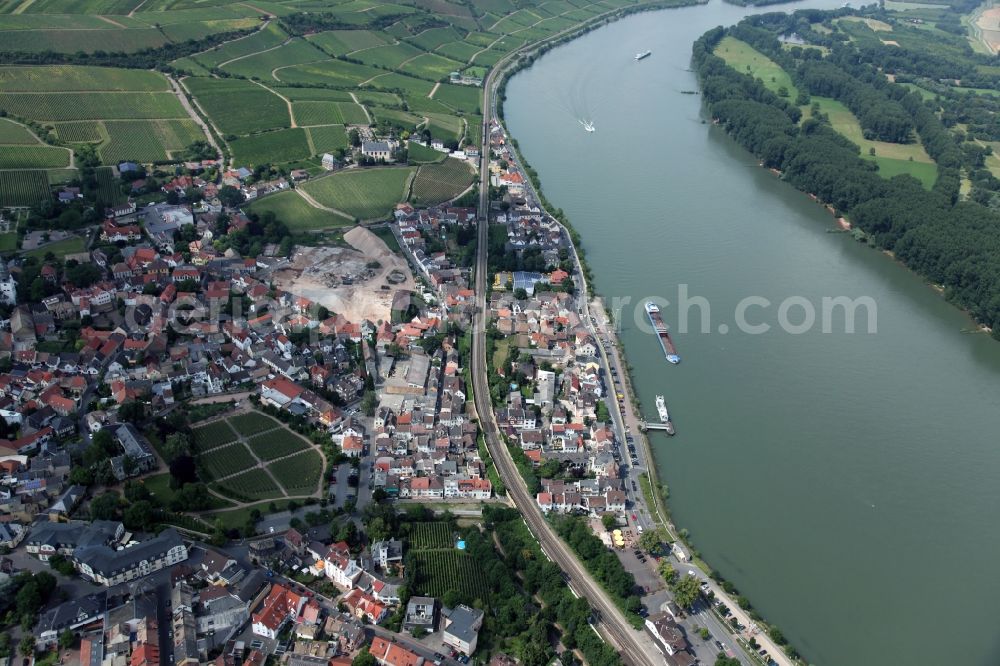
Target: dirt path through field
315	204
134	9
430	95
363	107
23	7
288	102
232	60
114	23
176	87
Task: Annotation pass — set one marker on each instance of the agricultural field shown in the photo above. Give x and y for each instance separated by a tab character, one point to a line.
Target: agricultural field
211	435
445	127
462	51
261	65
147	140
282	146
329	73
296	213
313	94
328	113
421	154
33	157
92	105
12	133
266	38
460	98
232	446
238	107
226	460
744	58
342	42
81	131
390	56
299	474
438	571
892	158
23	188
252	423
436	183
430	536
431	66
428	40
277	444
109	190
76	78
366	194
253	485
328	138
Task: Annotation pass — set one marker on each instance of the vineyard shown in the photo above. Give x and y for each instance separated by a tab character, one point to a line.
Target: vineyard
299	474
327	139
438	572
92	106
329	113
33	157
250	486
81	131
23	188
296	213
277	444
109	189
430	536
239	107
11	133
212	435
436	183
225	460
252	423
148	140
66	78
366	194
285	145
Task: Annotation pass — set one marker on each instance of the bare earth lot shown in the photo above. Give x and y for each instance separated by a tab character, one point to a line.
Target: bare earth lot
340	279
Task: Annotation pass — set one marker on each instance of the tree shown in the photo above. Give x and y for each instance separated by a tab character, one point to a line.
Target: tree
176	445
364	658
685	590
62	565
667	571
723	660
369	403
609	521
651	540
184	469
27	646
105	506
139	516
67	639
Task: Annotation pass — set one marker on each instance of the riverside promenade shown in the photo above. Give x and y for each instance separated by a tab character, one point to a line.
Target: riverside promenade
655	516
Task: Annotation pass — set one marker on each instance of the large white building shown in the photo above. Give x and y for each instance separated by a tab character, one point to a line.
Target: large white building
103	565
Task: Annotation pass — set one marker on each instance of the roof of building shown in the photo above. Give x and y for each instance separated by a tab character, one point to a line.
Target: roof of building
108	562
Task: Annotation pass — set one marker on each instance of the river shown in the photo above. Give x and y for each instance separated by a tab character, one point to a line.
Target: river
847	484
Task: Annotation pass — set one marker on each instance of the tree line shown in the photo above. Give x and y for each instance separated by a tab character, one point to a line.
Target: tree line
950	242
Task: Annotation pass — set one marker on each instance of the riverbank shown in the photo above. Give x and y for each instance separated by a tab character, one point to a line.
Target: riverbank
751	632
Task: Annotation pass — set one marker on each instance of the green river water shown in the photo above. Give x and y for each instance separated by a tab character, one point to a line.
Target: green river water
848	484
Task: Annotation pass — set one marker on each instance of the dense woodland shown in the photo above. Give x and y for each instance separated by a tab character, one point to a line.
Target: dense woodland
950	240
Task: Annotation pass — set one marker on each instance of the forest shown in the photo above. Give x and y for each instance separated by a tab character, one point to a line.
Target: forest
950	239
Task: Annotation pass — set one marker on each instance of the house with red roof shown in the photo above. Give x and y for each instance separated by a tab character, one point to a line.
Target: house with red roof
388	653
280	606
279	391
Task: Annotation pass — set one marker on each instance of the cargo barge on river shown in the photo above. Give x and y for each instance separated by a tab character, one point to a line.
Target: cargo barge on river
653	311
